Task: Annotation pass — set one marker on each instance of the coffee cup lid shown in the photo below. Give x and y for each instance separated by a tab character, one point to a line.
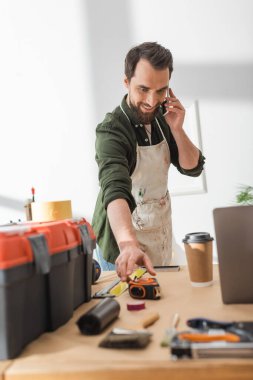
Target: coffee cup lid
197	237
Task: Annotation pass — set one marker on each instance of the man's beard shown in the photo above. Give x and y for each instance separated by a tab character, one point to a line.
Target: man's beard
144	118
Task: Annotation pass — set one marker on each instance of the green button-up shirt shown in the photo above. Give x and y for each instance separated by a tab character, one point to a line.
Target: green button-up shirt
116	141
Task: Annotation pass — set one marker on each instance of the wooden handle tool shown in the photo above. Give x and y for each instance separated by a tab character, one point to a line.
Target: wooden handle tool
149	320
143	323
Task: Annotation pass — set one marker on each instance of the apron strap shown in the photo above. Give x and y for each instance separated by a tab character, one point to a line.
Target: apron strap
125	114
160	128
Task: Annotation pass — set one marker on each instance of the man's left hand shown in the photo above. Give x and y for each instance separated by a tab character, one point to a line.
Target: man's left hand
176	112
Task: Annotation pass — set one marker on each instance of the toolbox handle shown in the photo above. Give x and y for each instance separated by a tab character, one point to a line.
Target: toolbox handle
40	252
86	239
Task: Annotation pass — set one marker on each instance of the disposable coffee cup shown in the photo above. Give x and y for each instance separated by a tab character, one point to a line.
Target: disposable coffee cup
199	255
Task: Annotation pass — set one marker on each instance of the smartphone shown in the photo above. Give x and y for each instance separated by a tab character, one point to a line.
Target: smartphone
167	268
164	109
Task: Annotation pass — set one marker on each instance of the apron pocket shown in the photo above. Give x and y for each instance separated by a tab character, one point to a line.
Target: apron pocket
151	216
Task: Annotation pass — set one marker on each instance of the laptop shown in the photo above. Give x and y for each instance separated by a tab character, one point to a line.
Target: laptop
234	239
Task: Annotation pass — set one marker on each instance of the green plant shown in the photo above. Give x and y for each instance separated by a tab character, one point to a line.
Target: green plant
245	195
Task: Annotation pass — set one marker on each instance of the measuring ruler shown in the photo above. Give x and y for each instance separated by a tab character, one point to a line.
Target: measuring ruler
117	287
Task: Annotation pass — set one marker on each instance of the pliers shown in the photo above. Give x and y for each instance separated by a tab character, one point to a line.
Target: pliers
244	330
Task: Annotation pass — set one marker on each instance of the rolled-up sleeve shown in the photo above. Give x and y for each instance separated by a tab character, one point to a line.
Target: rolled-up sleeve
195	172
112	152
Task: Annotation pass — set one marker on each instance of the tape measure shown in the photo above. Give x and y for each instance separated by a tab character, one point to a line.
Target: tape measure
147	288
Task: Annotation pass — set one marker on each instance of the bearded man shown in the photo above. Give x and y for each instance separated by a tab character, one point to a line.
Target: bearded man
135	145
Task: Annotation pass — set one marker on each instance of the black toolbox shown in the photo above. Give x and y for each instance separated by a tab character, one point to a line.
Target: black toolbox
45	273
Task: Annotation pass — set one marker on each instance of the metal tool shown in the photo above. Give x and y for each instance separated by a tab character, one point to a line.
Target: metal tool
205	324
243	329
181	349
131	337
105	291
211	338
117	287
167	268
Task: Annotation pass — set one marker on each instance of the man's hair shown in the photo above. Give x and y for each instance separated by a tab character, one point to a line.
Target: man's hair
158	56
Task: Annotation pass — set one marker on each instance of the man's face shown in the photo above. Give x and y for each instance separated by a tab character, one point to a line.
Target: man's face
147	90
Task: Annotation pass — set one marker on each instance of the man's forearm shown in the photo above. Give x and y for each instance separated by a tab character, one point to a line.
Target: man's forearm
188	153
120	219
131	254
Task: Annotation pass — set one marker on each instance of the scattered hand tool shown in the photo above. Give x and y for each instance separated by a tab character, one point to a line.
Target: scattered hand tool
133	337
146	321
117	287
205	337
205	324
183	349
243	329
103	293
211	339
170	332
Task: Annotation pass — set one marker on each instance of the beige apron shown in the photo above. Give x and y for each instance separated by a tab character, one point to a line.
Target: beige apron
152	216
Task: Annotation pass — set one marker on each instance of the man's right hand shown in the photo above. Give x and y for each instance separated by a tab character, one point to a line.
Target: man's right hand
131	256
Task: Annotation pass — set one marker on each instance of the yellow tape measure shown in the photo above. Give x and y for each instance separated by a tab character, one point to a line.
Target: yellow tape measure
118	289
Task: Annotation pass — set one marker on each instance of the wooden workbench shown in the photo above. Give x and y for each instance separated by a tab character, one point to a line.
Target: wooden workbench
66	354
3	366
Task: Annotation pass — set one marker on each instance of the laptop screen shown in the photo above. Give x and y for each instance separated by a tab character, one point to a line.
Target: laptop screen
234	239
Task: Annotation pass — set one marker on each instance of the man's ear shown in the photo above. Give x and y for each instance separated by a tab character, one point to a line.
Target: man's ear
126	82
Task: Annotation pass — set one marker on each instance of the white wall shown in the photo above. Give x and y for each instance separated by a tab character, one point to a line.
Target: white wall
47	113
61	69
212	46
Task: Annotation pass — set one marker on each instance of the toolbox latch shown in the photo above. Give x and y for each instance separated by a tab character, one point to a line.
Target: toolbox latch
40	252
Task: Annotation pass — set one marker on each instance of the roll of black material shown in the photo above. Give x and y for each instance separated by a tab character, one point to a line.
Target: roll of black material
98	317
